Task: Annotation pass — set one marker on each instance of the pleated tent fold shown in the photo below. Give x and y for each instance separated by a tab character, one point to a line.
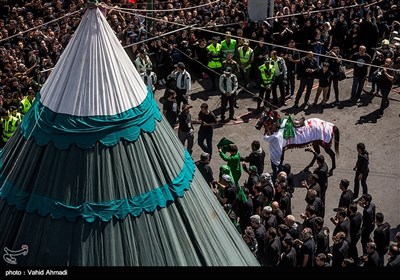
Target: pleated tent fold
95	176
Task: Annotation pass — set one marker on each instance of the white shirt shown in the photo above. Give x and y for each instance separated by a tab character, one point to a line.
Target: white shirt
186	83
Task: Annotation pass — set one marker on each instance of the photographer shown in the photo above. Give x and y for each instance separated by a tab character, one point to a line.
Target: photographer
385	83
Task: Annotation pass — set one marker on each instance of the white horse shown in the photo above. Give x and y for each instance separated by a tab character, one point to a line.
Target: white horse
311	132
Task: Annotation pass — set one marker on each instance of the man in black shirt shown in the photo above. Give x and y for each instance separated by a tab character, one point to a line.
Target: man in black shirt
368	224
360	72
170	107
292	58
204	167
256	157
306	69
385	82
207	120
346	198
381	237
186	131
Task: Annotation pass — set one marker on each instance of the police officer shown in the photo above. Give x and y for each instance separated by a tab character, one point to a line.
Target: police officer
228	84
245	59
267	73
214	54
149	78
27	102
9	124
183	85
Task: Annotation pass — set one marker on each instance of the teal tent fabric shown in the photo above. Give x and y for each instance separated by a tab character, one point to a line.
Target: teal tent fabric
89	211
64	130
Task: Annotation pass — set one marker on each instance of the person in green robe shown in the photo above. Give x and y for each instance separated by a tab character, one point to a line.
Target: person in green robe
233	161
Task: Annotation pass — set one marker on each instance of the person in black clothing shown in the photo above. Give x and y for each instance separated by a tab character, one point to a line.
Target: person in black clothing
322	238
287	168
340	249
272	248
170	107
313	184
256	157
245	210
381	237
355	231
370	257
260	235
342	223
324	77
268	189
394	259
322	172
334	66
385	83
306	69
207	120
292	58
346	198
360	72
186	131
368	224
288	256
285	202
307	250
361	169
204	167
314	200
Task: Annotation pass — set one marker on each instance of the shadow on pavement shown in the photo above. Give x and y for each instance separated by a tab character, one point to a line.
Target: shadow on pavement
299	177
369	118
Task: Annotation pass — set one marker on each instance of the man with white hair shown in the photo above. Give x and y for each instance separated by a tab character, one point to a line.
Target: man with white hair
268	189
260	234
290	221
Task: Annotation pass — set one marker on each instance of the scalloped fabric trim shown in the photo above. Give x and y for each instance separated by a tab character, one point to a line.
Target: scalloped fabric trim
64	130
105	211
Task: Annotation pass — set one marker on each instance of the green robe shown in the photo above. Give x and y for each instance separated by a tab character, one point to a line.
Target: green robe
234	164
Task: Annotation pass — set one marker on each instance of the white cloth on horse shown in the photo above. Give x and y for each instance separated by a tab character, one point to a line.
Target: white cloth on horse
313	129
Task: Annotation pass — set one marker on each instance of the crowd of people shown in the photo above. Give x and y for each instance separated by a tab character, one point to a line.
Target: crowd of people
307	40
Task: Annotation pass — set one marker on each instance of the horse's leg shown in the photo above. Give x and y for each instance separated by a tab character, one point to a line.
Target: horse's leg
331	154
316	151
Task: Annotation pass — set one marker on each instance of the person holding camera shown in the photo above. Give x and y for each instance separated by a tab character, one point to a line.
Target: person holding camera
267	73
385	83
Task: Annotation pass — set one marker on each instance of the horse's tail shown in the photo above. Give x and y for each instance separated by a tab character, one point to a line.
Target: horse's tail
336	138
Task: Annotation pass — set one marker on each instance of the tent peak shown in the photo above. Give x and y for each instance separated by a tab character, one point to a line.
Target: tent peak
92	4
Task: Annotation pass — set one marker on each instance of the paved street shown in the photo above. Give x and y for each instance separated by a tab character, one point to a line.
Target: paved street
356	123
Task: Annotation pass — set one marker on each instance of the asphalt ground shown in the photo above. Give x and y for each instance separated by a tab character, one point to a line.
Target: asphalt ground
357	123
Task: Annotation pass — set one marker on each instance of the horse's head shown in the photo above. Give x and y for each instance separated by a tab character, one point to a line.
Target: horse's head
269	120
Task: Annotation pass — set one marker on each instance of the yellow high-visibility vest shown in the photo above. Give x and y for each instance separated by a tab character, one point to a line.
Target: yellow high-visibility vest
26	105
267	76
244	57
215	60
10	124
